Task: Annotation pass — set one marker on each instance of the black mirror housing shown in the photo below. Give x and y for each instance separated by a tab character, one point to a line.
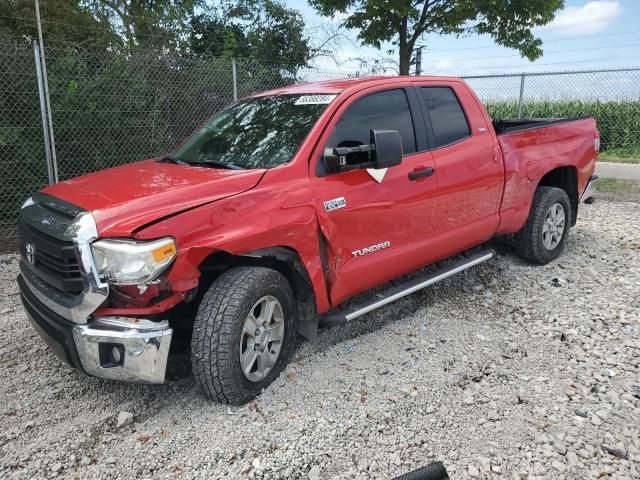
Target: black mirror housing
384	151
388	148
337	159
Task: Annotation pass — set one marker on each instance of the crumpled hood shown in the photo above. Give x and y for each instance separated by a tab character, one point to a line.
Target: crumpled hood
124	198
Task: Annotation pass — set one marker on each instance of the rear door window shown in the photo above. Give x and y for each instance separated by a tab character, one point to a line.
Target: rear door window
388	110
447	117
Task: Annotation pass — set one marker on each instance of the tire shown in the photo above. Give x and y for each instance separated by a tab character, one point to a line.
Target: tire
433	471
532	241
220	337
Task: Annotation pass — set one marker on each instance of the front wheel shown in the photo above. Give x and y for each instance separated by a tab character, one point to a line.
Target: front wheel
543	237
244	334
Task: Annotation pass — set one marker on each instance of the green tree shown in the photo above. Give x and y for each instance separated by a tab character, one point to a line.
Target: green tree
67	21
403	22
212	36
161	25
262	30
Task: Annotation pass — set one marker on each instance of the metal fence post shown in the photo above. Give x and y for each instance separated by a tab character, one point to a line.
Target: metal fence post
155	112
522	76
418	61
235	80
42	65
43	113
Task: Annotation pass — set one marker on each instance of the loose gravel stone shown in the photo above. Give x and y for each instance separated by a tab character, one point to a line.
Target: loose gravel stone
314	473
124	419
526	377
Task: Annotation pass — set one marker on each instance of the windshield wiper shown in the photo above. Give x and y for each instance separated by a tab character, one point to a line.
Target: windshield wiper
175	160
216	164
208	163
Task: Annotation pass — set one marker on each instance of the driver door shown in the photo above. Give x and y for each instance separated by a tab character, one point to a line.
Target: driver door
373	230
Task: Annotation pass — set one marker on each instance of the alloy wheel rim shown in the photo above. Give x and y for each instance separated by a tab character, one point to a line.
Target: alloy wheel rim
261	338
553	226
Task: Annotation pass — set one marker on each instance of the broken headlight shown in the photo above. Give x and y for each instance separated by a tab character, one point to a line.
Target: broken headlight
132	262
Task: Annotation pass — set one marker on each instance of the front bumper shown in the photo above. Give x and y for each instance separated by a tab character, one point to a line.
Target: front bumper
142	345
130	349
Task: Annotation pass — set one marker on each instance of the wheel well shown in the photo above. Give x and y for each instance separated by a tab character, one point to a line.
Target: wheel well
283	259
565	178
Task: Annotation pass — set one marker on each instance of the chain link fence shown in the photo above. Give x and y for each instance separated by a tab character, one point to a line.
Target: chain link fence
108	108
22	159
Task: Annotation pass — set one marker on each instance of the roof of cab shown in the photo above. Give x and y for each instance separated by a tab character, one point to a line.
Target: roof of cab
340	85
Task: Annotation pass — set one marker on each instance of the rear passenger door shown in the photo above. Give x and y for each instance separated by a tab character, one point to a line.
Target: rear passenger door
467	162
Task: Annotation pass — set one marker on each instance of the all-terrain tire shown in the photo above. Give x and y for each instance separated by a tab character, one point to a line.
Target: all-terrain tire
218	329
528	242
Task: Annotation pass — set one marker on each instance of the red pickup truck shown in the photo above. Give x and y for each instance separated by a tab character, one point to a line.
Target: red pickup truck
277	211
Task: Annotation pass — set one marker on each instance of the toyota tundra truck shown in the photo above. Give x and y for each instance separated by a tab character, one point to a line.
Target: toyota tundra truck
283	210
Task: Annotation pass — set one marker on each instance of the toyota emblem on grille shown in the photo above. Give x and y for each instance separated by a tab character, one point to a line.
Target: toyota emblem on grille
30	251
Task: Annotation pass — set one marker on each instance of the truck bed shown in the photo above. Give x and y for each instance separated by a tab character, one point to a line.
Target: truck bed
519	124
533	146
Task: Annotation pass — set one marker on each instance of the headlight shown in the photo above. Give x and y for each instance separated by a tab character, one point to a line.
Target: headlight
131	262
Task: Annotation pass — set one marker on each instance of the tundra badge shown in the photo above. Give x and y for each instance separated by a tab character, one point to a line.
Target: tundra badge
371	249
334	204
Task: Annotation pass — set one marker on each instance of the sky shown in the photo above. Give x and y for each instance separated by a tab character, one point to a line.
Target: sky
584	35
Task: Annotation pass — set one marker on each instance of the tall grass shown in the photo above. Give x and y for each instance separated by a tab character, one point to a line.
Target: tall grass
618	121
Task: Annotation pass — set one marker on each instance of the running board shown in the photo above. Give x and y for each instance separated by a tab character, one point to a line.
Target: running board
407	288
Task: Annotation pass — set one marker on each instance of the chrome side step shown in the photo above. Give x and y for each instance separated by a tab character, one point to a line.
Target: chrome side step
407	288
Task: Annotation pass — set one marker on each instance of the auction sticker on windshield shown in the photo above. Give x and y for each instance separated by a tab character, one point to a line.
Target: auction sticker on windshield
315	99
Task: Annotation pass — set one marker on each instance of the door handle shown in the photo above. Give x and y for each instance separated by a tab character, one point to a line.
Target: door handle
416	174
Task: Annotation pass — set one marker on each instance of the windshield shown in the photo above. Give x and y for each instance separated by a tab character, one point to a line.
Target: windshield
262	132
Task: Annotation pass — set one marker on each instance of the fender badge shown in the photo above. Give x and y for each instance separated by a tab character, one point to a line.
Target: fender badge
334	204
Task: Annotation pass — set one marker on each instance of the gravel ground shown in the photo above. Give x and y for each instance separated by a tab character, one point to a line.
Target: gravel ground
506	371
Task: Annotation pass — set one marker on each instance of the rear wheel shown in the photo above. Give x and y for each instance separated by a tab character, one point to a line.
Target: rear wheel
543	236
244	334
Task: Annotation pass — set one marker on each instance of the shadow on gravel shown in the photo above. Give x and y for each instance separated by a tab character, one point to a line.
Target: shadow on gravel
488	273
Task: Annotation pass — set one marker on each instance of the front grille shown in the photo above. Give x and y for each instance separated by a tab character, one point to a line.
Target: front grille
54	260
48	256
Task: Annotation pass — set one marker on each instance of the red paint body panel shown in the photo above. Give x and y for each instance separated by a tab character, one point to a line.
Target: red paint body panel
530	154
278	212
483	185
470	175
156	308
126	197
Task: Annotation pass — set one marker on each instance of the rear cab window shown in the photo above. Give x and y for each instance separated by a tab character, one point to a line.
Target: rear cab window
448	121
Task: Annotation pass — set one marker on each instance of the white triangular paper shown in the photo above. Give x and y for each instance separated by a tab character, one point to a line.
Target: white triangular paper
377	174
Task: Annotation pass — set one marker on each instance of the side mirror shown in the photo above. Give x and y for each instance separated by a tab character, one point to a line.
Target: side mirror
384	151
388	148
